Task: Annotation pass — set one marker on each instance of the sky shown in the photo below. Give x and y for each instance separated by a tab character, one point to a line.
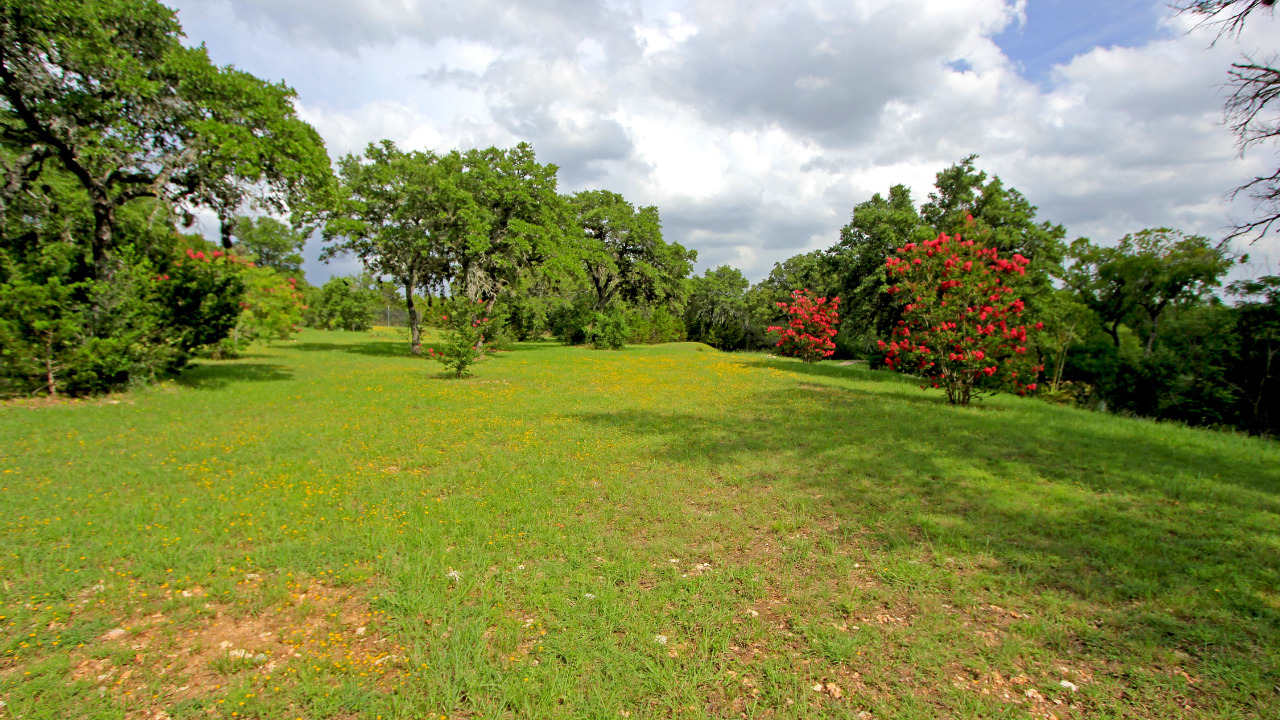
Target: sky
755	126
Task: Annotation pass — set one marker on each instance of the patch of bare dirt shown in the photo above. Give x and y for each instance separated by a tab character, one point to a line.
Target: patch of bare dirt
155	661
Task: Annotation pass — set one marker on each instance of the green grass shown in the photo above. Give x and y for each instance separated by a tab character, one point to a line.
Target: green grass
328	529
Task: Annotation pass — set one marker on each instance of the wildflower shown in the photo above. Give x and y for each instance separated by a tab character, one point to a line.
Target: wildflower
660	639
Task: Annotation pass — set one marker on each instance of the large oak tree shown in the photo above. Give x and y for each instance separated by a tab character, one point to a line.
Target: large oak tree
106	90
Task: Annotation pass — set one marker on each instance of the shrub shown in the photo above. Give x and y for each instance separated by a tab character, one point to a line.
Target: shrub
651	326
465	326
810	333
609	330
960	308
344	303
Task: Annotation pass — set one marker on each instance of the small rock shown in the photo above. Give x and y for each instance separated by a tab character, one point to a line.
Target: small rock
834	690
114	634
1069	685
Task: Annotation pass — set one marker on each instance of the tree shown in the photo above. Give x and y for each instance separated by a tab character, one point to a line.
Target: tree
1258	353
1065	319
961	322
1229	15
270	243
967	201
106	90
623	252
400	212
1249	109
1136	281
346	303
856	263
715	311
807	270
514	222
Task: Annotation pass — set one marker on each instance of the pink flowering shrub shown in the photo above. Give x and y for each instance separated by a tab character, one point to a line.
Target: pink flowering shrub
465	326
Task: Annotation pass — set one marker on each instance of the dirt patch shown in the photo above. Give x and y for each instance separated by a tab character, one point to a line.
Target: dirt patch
156	661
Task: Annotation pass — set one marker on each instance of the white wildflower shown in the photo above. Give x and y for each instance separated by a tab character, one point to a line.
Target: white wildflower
660	639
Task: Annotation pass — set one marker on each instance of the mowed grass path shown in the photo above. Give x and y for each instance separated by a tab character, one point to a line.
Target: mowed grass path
327	529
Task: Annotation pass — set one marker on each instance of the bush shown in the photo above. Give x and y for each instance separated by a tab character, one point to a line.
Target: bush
960	309
344	303
609	330
650	326
465	326
810	332
60	335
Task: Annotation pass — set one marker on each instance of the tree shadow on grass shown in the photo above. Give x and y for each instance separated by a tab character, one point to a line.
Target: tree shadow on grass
214	377
1170	537
377	348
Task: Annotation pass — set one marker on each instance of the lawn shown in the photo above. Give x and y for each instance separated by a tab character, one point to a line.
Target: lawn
328	529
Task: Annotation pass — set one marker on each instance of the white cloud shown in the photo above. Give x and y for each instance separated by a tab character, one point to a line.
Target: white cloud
755	126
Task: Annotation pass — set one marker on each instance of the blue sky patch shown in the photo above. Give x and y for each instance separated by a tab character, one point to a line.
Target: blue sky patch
1058	30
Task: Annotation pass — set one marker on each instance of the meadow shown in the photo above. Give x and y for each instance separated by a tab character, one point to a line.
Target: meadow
328	528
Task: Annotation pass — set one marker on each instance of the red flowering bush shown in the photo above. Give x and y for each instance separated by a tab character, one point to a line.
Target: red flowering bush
810	334
961	326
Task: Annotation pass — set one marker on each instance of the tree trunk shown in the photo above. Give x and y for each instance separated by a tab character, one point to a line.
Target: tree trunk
1059	364
415	330
103	221
49	366
228	227
1114	332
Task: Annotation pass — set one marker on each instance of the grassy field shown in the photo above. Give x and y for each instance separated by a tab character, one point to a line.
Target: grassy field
328	529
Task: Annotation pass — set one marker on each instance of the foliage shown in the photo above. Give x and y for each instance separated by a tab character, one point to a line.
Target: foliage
811	327
1135	282
516	223
877	227
270	243
202	293
1066	321
273	305
716	311
345	303
654	325
107	90
1255	376
397	212
623	253
608	329
968	201
477	222
961	310
77	337
465	326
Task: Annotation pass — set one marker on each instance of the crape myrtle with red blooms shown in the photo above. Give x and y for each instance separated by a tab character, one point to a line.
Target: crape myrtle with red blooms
961	326
811	331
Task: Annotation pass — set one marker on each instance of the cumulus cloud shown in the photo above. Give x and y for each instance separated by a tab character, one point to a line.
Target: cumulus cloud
756	126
